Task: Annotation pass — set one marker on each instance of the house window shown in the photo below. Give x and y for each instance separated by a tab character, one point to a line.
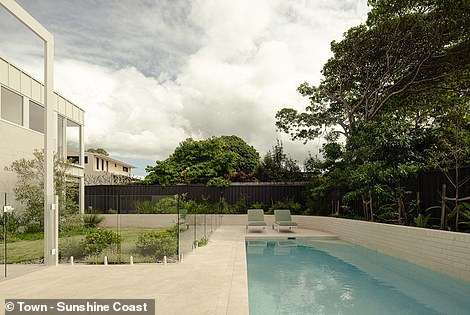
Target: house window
102	165
115	165
73	141
12	106
86	159
97	163
61	136
36	117
107	166
125	169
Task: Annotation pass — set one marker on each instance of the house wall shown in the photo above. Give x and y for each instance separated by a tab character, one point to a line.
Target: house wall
113	166
18	140
11	149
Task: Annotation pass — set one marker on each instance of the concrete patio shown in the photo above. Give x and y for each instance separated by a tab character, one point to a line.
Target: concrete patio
210	280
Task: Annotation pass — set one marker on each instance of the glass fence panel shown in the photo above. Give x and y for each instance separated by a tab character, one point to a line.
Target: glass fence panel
124	229
186	232
22	236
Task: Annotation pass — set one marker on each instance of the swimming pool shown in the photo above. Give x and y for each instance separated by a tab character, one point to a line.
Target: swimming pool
334	277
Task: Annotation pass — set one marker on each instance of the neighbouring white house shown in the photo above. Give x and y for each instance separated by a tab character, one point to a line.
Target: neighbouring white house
101	169
22	125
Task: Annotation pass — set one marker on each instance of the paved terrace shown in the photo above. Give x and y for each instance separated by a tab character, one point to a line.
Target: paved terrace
210	280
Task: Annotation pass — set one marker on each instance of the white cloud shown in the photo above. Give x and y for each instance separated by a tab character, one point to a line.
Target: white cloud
151	74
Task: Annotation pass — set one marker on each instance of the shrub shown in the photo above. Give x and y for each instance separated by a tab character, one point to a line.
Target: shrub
71	247
145	207
202	242
97	241
13	222
421	220
69	223
91	221
33	228
257	205
166	205
288	204
158	244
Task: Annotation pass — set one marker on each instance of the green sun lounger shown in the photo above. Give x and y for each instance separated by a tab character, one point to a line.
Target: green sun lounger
282	219
255	218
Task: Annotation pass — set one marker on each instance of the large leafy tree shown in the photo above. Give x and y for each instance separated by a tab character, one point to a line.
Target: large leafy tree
216	162
403	45
387	97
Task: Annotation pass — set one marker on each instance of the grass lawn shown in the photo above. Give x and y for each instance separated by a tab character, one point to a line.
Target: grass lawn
24	251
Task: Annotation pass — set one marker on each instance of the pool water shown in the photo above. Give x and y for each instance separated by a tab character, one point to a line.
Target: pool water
335	277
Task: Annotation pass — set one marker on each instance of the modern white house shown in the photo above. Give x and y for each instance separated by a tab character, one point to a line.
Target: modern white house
22	125
101	169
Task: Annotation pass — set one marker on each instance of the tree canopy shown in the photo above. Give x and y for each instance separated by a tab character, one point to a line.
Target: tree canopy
277	166
98	150
404	46
392	103
215	162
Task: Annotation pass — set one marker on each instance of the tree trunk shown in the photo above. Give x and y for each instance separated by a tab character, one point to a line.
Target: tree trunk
371	208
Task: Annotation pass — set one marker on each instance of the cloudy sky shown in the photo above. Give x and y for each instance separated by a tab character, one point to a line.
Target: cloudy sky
150	74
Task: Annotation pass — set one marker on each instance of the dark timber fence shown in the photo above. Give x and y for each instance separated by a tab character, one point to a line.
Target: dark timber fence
124	198
428	186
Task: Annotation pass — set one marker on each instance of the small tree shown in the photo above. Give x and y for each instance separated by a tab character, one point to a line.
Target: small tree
454	148
29	188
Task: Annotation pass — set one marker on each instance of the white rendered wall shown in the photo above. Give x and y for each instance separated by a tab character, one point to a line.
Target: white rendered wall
15	142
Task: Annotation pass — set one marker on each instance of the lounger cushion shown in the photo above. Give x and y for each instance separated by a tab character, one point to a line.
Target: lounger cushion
256	223
286	223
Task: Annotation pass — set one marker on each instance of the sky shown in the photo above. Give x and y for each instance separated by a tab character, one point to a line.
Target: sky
150	74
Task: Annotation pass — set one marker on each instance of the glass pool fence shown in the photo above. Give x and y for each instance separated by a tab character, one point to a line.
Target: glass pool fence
113	230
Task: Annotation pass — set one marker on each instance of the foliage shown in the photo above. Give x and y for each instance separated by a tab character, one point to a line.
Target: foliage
202	242
71	247
380	60
393	101
257	205
29	188
145	207
11	221
96	241
158	244
287	204
462	210
98	150
33	228
421	220
165	205
277	166
91	220
215	161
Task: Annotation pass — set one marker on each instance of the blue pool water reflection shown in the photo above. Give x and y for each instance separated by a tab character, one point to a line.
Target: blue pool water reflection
335	277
